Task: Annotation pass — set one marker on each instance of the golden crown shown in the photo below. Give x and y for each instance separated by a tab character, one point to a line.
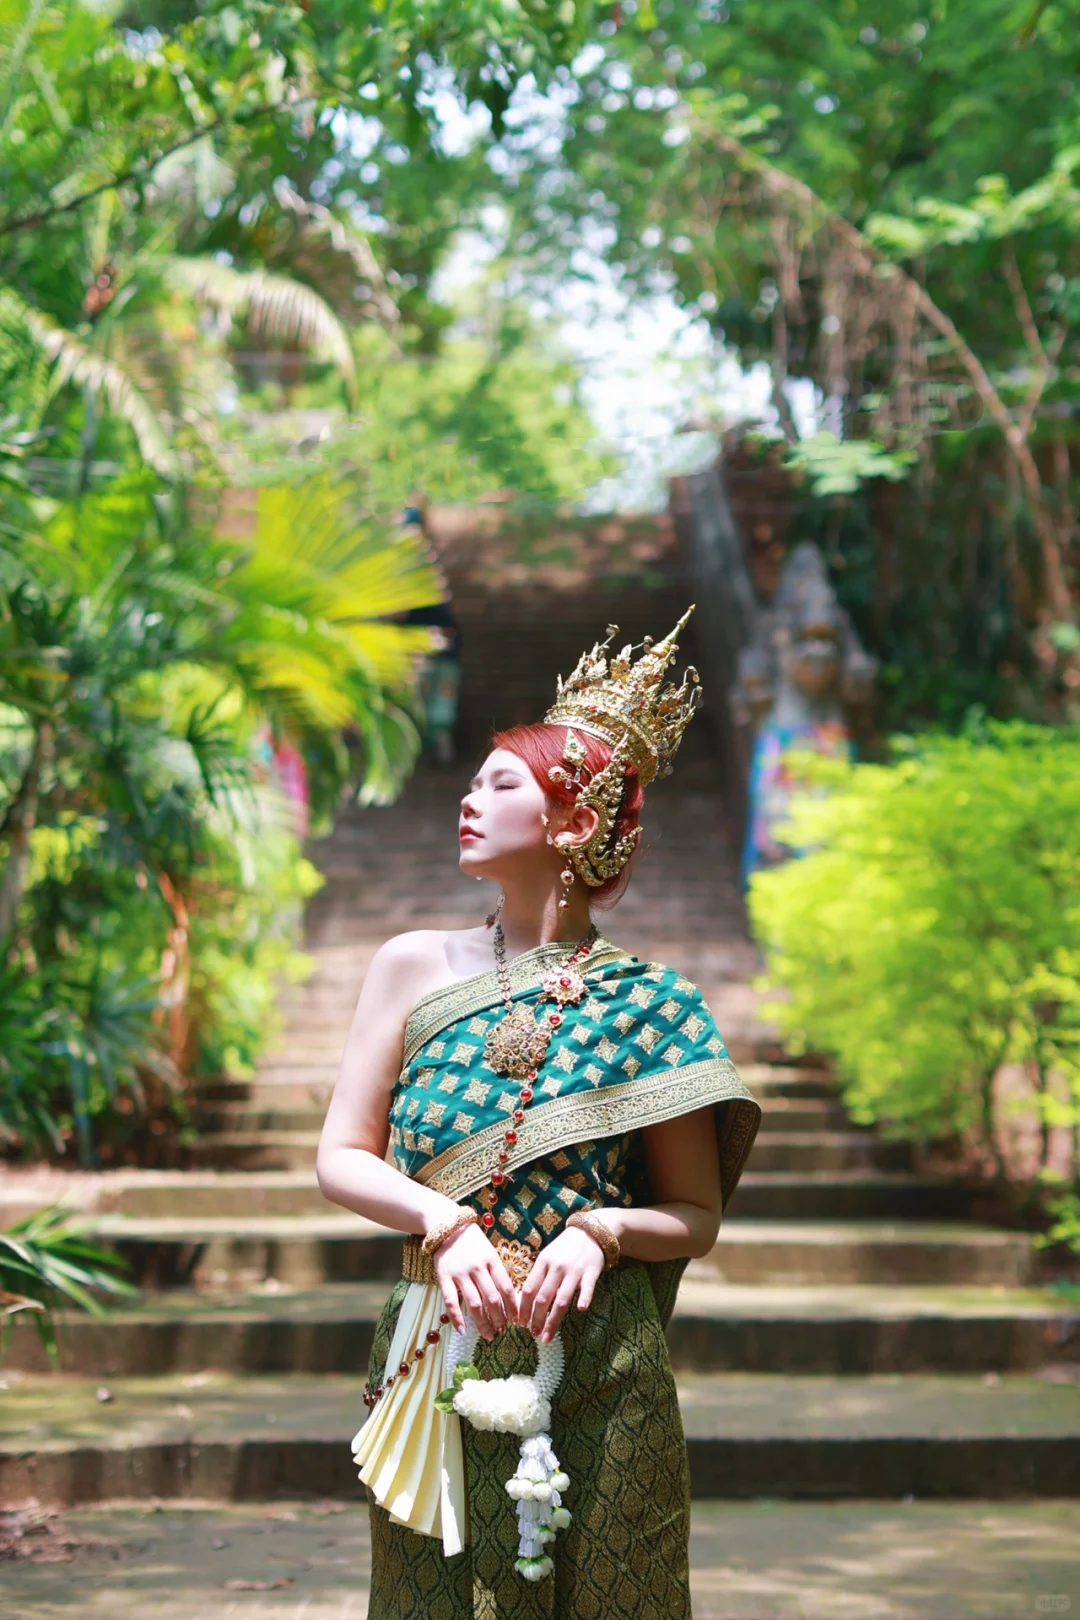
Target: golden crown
642	719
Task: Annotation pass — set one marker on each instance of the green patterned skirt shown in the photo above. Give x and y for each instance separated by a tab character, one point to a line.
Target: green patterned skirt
617	1431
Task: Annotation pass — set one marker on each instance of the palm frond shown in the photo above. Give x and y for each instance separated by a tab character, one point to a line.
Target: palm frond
75	362
46	1262
322	227
275	307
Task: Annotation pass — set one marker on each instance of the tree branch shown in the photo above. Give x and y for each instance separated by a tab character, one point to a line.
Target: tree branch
137	171
1042	379
867	261
1024	312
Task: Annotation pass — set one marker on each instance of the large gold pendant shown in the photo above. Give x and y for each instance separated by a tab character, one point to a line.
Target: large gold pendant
517	1044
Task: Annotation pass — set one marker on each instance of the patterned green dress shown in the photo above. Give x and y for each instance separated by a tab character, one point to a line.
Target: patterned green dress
642	1047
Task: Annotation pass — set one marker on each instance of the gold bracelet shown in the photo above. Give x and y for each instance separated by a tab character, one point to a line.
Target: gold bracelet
592	1222
446	1228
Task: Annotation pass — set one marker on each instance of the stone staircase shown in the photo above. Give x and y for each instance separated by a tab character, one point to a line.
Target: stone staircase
856	1331
874	1339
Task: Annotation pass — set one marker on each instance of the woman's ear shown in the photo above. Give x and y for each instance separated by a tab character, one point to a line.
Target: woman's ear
579	825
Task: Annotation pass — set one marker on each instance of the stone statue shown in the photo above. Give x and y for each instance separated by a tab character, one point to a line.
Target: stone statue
801	681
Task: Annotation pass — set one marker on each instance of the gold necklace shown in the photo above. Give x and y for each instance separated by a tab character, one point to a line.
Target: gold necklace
518	1045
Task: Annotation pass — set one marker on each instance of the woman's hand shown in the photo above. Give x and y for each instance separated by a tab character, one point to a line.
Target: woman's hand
568	1265
470	1273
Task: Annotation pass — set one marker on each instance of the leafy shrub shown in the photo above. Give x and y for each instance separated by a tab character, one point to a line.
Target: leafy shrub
933	934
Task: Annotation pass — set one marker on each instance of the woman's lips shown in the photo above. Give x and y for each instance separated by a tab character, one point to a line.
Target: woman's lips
469	832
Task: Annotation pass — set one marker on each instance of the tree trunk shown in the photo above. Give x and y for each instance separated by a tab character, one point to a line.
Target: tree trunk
989	1132
18	825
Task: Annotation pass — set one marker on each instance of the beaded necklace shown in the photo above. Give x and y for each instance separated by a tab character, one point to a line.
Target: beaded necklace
517	1046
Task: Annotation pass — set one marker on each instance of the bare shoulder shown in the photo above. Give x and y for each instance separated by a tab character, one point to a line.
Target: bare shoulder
417	946
410	965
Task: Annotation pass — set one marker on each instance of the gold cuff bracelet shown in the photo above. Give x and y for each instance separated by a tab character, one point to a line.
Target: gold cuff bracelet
590	1221
446	1228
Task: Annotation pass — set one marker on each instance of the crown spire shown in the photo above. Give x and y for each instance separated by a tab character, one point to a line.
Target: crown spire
629	706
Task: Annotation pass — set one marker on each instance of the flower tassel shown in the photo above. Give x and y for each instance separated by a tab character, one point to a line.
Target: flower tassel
537	1488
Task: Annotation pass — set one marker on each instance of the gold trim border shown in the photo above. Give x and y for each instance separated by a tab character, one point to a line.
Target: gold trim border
582	1116
441	1008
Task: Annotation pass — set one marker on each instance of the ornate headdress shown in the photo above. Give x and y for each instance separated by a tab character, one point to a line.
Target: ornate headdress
642	720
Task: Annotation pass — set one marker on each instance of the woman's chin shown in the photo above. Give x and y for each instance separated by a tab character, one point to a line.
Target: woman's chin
471	863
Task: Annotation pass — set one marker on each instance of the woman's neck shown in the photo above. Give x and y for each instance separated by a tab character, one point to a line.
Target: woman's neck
532	918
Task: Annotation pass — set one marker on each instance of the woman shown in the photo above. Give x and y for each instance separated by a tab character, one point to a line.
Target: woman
565	1127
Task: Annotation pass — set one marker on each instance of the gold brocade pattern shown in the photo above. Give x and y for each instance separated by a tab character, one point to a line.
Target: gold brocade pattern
465	1166
618	1433
453	1002
641	1047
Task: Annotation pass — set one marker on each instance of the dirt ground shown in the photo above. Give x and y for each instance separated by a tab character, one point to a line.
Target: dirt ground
752	1561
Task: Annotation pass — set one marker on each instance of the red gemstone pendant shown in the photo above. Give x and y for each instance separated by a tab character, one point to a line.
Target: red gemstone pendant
488	1220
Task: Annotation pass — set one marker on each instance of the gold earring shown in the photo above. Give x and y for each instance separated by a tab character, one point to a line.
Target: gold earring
547	824
566	877
493	916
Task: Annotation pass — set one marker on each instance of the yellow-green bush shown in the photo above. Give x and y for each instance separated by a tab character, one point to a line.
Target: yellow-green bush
933	934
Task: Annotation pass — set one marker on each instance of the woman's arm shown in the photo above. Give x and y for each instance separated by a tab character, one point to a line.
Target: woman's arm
684	1171
351	1166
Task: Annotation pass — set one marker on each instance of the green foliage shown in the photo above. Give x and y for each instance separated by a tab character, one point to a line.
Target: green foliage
879	201
1064	1208
152	880
46	1263
444	1400
837	466
933	934
491	412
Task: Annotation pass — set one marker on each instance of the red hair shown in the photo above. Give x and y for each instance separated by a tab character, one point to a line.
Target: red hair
540	747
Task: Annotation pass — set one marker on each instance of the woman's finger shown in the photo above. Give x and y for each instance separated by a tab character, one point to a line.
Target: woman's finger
533	1283
496	1311
453	1307
477	1308
543	1303
567	1289
505	1290
586	1289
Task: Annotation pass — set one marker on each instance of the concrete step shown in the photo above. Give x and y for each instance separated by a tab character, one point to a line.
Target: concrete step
307	1250
257	1150
817	1195
281	1092
803	1114
847	1560
916	1253
716	1327
769	1080
798	1151
762	1195
242	1118
794	1152
214	1437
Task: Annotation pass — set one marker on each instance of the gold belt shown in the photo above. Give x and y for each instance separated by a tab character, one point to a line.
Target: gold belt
416	1266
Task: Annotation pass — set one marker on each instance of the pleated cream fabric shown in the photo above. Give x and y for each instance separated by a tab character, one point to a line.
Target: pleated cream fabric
409	1452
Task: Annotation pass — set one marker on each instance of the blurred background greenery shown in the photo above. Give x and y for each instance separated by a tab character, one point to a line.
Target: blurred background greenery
272	273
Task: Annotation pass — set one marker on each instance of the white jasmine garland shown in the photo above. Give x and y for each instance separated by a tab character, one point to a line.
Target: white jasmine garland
517	1405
